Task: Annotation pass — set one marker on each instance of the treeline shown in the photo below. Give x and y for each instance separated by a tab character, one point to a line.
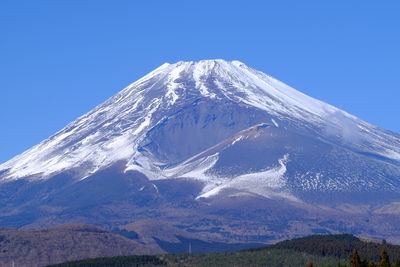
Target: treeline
355	261
121	261
339	246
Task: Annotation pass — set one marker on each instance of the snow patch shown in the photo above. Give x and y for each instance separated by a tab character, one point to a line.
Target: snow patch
266	183
275	123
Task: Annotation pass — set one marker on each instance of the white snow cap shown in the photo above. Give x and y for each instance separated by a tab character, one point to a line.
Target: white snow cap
112	131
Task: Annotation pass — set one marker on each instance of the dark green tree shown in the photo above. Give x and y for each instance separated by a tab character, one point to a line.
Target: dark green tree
355	260
364	263
384	259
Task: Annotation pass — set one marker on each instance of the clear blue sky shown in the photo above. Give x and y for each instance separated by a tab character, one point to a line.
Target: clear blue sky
59	59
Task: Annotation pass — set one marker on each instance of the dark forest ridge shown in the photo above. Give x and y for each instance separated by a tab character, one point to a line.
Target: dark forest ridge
321	250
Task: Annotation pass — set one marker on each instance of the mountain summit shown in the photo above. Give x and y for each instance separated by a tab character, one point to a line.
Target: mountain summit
201	133
112	130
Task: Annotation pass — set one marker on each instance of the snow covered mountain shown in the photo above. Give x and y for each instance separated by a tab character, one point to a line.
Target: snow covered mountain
232	130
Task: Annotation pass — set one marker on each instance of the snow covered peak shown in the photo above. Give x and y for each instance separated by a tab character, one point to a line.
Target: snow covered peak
113	130
232	80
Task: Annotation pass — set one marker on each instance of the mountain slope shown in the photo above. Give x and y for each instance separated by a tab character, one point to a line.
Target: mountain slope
39	247
121	122
212	141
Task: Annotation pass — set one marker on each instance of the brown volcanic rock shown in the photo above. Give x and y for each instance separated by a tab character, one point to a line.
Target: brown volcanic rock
39	247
